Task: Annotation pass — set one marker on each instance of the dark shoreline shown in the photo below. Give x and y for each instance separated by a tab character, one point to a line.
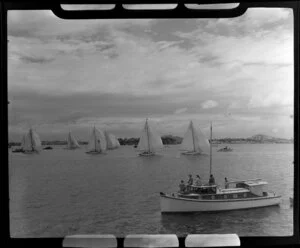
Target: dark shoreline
175	140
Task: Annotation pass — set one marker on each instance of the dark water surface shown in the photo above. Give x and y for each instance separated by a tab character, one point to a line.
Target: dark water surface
61	192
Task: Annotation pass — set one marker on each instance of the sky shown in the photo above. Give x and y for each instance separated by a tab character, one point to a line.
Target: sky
73	74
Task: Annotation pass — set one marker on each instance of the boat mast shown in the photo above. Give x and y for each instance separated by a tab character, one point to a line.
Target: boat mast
95	138
210	158
31	139
147	135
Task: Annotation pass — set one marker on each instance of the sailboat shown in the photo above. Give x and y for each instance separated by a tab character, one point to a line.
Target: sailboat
31	142
97	142
194	143
149	141
72	142
111	140
239	194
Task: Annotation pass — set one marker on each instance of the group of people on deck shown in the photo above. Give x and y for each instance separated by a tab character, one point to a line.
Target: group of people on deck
187	187
184	188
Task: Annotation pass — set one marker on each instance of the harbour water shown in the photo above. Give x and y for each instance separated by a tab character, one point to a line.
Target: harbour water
61	192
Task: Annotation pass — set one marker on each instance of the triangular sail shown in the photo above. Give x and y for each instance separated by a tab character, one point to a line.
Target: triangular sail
72	142
111	140
188	142
154	140
149	141
26	142
194	141
202	143
97	142
31	141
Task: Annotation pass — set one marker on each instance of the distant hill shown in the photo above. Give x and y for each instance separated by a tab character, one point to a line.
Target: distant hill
261	138
258	138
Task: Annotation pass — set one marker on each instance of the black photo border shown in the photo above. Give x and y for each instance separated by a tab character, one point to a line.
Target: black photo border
120	13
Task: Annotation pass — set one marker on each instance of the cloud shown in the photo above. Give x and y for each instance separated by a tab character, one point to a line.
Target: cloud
116	72
259	17
209	104
36	59
180	111
43	24
271	99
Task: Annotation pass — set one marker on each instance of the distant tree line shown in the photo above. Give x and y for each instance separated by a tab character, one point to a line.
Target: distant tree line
173	140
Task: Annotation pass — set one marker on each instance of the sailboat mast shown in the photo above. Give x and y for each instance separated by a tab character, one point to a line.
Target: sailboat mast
147	135
95	138
31	139
210	159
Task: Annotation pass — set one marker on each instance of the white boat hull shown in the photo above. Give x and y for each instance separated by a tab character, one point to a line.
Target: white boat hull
169	203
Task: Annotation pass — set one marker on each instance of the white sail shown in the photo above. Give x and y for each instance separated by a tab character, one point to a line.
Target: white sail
149	141
97	142
31	142
72	142
111	140
194	141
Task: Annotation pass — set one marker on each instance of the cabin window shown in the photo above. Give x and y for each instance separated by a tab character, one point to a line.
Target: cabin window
234	195
225	196
245	194
212	197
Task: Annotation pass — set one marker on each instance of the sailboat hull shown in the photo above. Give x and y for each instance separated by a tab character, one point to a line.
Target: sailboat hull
169	203
147	154
94	152
191	153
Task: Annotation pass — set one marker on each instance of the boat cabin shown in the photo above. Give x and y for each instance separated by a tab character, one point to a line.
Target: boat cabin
255	186
238	190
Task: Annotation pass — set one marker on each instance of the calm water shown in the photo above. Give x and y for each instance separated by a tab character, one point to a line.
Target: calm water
61	192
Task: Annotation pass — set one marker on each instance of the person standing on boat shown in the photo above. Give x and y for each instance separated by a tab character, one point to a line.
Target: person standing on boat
190	182
198	181
211	180
226	183
182	187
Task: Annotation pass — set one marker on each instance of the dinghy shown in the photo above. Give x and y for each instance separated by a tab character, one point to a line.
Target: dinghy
72	142
225	149
149	141
48	148
97	142
241	194
194	142
111	140
31	142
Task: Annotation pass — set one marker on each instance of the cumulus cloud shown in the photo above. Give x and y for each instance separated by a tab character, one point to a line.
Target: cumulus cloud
209	104
136	68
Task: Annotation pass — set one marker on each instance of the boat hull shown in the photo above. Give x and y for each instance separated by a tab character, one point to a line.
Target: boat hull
191	153
94	152
147	154
225	150
169	203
